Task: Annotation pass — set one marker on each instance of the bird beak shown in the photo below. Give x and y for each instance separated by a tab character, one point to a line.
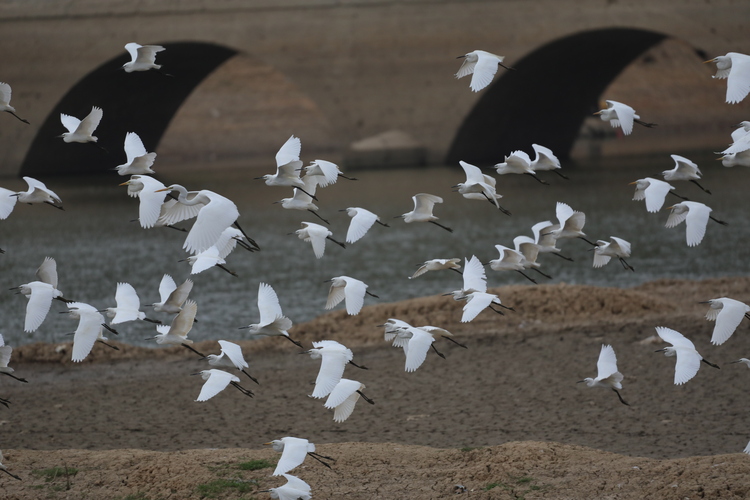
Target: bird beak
632	183
460	57
598	113
267	444
704	302
732	362
257	178
709	61
660	350
580	381
124	183
196	373
160	190
670	208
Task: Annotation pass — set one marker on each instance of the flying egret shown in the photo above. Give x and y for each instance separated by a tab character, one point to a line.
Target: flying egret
571	223
735	67
5	353
302	198
37	193
294	489
353	290
139	161
177	332
621	115
229	239
89	330
81	130
151	196
5	469
509	260
740	139
142	57
325	172
334	358
517	163
40	294
172	296
343	397
128	306
607	374
728	314
5	93
272	322
293	452
423	205
736	159
696	217
437	265
688	359
416	341
479	186
216	213
545	238
316	235
216	381
230	357
545	160
474	279
362	221
288	166
684	170
482	66
615	247
207	259
476	302
654	191
529	250
393	327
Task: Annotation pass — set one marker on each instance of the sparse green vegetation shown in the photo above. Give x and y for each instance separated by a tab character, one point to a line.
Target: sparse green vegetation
220	486
55	472
468	448
256	464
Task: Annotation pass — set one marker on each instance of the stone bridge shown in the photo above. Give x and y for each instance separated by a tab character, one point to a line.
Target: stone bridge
343	75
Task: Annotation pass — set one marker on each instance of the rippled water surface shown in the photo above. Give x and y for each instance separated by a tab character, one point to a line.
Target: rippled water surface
96	245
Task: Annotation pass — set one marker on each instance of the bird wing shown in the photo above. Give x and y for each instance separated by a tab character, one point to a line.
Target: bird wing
215	217
89	124
484	70
519	161
316	235
134	147
166	287
676	216
563	212
47	272
178	296
335	295
475	277
687	365
696	221
69	122
360	224
217	381
343	397
423	202
5	352
293	454
607	363
473	173
467	68
177	212
620	246
206	259
183	322
132	49
228	241
476	303
89	327
329	171
419	344
600	259
147	53
7	202
545	159
150	201
332	367
738	82
674	337
37	184
5	93
40	301
289	152
268	304
301	488
128	303
625	116
355	295
729	318
234	353
655	194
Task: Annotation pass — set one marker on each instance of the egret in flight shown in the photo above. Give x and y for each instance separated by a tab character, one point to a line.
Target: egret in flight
362	221
302	198
437	265
40	294
316	235
728	314
177	332
343	397
294	489
272	322
653	191
607	373
688	359
37	193
621	115
81	130
423	205
325	172
349	289
151	196
615	247
216	381
479	186
230	357
89	330
545	160
128	306
696	217
482	66
517	163
5	352
5	94
684	170
142	57
735	67
139	160
288	166
293	452
172	296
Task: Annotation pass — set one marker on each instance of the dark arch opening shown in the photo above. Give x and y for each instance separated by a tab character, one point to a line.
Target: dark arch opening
548	96
142	102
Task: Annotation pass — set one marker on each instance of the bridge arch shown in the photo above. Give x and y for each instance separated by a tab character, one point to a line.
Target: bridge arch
549	94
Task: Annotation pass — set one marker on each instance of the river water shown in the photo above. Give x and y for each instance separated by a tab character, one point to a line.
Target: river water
95	244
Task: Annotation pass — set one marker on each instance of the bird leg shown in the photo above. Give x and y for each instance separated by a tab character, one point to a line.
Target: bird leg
221	266
361	367
618	395
696	183
366	398
99	146
348	178
337	242
293	341
587	241
454	341
109	345
59	207
625	264
437	352
561	175
526	276
677	195
563	256
645	124
456	270
152	320
718	221
61	299
170	226
252	241
382	223
196	352
315	456
308	194
244	245
540	181
17	378
244	391
371	294
10	473
499	312
5	402
251	377
440	225
12	113
507	307
540	272
318	216
109	328
495	203
709	363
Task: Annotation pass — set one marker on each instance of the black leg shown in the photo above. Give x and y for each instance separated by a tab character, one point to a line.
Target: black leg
618	395
196	352
437	352
366	398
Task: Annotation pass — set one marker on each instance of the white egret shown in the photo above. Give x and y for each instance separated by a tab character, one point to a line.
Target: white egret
81	130
571	223
744	361
740	139
151	196
172	297
747	449
207	259
302	198
288	166
325	172
343	397
8	201
5	353
139	161
607	375
509	260
423	205
437	265
177	332
684	170
128	306
545	160
654	191
353	290
482	66
476	302
736	159
316	235
294	489
529	250
621	115
362	221
615	247
230	357
37	193
393	327
735	67
89	330
142	57
40	294
229	239
5	94
696	217
5	469
517	163
545	237
479	186
272	322
416	347
688	359
728	314
474	279
216	381
334	358
293	452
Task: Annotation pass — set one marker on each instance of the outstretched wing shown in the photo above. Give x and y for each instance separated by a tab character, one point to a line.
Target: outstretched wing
268	304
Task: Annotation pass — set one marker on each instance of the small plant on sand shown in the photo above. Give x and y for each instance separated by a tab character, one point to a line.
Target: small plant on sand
256	464
55	473
221	486
468	448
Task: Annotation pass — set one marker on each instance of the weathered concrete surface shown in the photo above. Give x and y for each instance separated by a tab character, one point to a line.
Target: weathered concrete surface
335	74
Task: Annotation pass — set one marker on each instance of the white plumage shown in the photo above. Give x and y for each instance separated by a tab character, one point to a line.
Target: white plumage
216	381
482	66
728	314
81	130
138	159
142	57
349	289
735	67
